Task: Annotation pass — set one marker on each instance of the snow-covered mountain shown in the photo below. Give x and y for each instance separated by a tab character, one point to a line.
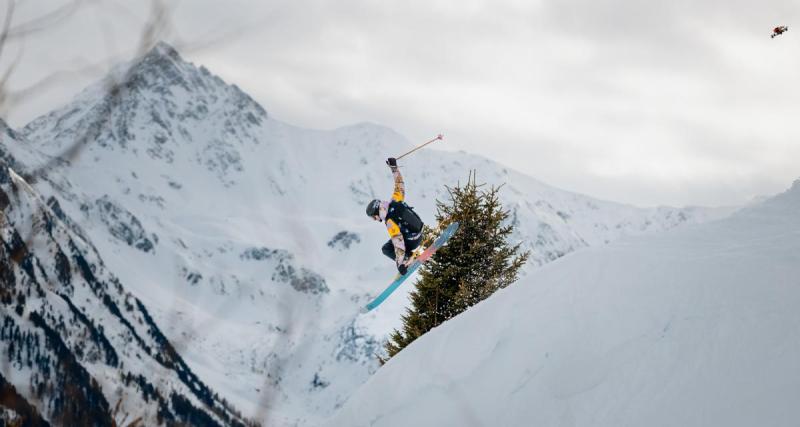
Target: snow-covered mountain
246	238
693	327
78	348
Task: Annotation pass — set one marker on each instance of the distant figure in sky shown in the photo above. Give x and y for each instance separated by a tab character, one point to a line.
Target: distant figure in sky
779	30
403	224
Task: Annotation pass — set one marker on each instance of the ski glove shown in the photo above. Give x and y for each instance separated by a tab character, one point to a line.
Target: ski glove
402	269
392	162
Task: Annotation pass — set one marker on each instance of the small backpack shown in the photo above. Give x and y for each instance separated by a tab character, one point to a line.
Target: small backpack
405	217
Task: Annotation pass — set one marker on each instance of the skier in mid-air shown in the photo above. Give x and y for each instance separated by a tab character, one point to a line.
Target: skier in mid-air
405	231
779	30
403	224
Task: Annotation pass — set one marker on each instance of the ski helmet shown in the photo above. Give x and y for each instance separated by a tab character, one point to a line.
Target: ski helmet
373	207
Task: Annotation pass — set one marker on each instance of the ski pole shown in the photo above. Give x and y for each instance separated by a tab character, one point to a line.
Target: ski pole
438	138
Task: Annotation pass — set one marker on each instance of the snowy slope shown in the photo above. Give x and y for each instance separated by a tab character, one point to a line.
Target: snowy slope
77	348
258	252
694	327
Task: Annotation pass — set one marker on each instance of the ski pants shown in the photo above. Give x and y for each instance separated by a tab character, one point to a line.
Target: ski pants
388	247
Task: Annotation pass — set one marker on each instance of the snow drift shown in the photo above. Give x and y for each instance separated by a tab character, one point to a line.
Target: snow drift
694	327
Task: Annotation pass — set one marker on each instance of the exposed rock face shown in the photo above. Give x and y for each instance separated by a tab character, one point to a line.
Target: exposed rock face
123	225
343	240
285	270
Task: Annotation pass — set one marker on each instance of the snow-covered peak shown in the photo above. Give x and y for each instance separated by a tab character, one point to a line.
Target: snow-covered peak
162	71
773	208
158	93
789	198
163	49
160	61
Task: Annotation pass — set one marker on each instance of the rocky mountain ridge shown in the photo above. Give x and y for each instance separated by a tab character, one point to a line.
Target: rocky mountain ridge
78	348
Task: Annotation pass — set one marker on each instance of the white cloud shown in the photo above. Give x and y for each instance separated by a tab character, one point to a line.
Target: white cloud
643	102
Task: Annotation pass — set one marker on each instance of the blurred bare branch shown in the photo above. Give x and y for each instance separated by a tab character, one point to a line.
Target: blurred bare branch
14	97
4	35
10	32
156	26
115	88
45	21
4	94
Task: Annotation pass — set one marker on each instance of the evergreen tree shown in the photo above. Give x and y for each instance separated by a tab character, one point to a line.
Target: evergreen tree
475	263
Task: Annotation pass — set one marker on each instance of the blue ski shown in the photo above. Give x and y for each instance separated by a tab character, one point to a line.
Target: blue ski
426	254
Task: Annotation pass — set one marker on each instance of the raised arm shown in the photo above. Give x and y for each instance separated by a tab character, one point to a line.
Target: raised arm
394	230
399	187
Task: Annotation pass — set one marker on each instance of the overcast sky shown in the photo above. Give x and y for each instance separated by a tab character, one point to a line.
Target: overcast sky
644	102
